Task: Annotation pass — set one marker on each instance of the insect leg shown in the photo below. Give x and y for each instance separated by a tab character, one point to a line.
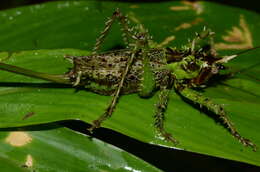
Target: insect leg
104	33
166	84
197	98
140	46
128	33
147	84
108	113
204	40
141	39
161	107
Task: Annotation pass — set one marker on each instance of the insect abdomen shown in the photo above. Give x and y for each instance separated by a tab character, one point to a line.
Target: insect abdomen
103	71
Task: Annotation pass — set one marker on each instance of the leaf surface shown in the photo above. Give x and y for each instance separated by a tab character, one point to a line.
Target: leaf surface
59	25
53	148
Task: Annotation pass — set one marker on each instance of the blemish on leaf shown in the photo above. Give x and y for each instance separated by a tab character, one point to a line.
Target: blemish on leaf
18	138
134	6
5	55
166	41
29	161
239	37
183	26
179	8
196	6
188	25
28	115
133	18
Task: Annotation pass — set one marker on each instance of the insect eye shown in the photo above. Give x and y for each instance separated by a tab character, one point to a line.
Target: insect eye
221	67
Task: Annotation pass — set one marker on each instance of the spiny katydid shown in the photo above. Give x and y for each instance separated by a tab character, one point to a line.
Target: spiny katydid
144	68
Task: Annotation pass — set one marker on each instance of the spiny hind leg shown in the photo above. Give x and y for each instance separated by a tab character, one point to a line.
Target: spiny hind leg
197	98
140	43
108	113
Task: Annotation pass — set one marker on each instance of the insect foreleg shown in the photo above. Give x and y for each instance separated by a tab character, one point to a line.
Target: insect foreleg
202	40
197	98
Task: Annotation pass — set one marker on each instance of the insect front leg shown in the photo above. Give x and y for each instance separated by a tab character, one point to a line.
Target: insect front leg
197	98
204	41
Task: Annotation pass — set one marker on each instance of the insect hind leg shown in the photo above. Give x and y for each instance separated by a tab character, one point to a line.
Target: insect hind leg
108	113
140	43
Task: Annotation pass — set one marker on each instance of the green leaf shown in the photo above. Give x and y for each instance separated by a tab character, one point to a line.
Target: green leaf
53	148
8	165
77	24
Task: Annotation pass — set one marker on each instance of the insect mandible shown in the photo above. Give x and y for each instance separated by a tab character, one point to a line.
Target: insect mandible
144	68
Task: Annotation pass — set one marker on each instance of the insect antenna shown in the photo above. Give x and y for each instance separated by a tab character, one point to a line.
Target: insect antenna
226	59
244	70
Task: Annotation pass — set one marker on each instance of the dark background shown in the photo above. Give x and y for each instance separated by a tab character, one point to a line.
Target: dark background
163	158
5	4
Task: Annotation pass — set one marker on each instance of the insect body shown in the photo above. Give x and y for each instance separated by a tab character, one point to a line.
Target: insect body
144	68
105	70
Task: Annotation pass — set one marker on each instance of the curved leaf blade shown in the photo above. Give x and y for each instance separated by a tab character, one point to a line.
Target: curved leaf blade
53	148
195	131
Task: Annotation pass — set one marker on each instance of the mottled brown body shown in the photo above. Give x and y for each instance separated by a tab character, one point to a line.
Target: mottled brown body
102	72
